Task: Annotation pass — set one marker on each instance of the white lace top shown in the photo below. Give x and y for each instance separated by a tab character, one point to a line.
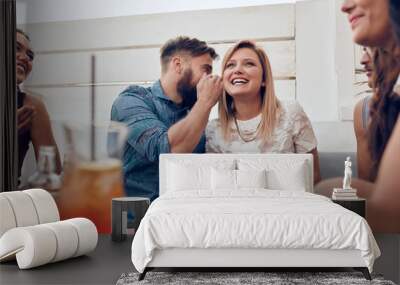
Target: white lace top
293	134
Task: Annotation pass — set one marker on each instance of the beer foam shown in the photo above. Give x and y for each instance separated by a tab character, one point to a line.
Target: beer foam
100	165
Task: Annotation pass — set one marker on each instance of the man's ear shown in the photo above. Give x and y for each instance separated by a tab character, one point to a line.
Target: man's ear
176	64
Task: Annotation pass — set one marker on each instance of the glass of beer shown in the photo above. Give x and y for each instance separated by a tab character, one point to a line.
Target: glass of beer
92	172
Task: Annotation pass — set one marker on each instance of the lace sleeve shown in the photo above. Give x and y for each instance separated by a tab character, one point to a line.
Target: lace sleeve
303	134
212	145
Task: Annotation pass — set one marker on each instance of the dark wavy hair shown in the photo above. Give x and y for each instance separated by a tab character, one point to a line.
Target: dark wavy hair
385	104
395	18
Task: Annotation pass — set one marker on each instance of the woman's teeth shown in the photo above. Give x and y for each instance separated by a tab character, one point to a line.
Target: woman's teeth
239	81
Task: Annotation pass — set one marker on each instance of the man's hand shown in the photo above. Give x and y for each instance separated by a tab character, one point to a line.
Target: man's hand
209	89
186	134
25	116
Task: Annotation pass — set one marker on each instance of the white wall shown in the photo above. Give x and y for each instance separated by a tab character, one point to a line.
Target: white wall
39	11
325	65
315	63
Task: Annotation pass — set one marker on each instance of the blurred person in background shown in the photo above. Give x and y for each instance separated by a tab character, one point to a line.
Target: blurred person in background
33	122
375	23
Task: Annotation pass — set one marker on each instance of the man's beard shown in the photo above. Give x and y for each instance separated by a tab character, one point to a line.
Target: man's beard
186	90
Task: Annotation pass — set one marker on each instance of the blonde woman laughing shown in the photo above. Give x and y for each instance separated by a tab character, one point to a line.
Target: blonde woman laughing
251	118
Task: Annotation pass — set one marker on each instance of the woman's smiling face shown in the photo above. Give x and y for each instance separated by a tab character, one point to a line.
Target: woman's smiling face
243	73
369	21
24	58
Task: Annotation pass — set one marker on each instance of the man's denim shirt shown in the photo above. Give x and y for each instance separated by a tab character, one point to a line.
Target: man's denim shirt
148	113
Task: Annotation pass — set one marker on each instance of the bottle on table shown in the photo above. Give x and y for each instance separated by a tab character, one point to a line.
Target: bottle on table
45	176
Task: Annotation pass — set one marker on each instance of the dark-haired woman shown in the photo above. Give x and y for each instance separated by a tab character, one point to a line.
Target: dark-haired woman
385	200
371	26
33	121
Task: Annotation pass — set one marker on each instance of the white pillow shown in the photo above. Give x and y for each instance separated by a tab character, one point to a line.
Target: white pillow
228	179
182	177
223	179
251	178
187	174
288	174
293	179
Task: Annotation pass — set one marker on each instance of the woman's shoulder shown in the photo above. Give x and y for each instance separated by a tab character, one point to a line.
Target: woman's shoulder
361	113
212	126
291	108
290	105
214	141
42	115
33	101
213	123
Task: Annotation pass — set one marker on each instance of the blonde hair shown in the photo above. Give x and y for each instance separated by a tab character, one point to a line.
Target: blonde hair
270	105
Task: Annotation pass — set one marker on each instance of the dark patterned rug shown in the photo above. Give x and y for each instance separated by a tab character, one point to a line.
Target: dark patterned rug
270	278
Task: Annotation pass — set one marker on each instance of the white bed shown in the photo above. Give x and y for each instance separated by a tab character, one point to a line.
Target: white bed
201	219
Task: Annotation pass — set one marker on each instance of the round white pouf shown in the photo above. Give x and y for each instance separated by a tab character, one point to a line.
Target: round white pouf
87	235
23	208
6	215
45	205
33	246
67	239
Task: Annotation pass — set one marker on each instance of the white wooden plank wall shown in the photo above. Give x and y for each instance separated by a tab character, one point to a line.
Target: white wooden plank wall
127	51
270	21
142	64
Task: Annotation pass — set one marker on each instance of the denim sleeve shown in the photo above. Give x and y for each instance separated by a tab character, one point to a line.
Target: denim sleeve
147	134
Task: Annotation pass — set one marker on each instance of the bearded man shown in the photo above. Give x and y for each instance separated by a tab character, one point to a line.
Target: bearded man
170	116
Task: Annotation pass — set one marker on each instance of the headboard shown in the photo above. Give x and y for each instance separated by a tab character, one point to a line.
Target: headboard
213	159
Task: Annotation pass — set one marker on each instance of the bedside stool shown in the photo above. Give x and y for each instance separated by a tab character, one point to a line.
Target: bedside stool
357	205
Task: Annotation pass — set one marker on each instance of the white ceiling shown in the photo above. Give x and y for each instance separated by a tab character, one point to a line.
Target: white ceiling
36	11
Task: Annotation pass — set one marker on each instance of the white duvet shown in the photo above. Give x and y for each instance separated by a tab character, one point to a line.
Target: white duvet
253	218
